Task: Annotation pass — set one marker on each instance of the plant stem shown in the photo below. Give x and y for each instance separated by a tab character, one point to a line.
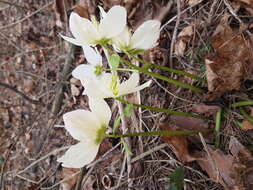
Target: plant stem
217	128
192	76
246	115
152	133
242	103
161	77
120	69
171	112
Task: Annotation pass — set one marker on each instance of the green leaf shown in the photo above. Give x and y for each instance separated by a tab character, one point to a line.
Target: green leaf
114	61
177	179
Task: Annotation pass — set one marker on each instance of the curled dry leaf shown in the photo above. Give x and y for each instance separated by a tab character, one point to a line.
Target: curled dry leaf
82	11
247	2
232	62
246	124
183	38
178	144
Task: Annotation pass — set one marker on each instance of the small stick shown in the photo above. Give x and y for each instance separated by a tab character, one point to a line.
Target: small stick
173	40
21	94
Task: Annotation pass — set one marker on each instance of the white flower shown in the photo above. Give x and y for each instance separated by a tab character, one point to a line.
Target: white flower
145	37
88	127
93	69
109	86
88	32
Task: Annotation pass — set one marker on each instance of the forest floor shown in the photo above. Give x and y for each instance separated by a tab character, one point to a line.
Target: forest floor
209	38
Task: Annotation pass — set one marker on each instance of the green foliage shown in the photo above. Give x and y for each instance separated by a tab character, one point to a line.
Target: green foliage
177	179
128	110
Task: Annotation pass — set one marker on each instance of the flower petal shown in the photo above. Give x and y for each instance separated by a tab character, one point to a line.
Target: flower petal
131	83
114	22
84	72
74	41
146	35
79	155
81	124
101	109
83	29
92	56
123	39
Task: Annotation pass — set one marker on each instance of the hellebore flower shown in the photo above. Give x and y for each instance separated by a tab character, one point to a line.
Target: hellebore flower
88	32
94	68
145	37
89	128
109	86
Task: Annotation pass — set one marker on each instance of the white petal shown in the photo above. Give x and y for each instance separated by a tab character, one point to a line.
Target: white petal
101	109
131	83
92	89
79	155
114	22
123	39
92	56
146	35
84	72
136	89
81	124
83	29
102	12
74	41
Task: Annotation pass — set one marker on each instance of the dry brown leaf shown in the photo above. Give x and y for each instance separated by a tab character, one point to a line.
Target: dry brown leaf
247	2
69	173
232	62
82	11
218	167
246	124
183	38
178	144
205	109
60	12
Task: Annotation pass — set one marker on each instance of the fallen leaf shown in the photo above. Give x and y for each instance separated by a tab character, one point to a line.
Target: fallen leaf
183	38
178	144
189	123
205	109
82	11
192	2
218	166
232	61
233	171
72	177
247	2
246	124
60	12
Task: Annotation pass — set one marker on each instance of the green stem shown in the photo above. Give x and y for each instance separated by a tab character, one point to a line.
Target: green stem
242	103
217	128
120	69
152	133
246	115
192	76
171	112
161	77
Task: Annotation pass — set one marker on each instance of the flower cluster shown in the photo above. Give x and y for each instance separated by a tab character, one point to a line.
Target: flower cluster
100	82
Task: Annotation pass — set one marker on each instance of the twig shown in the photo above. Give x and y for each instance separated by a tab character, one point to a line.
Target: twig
174	36
79	183
144	154
25	18
59	89
21	94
